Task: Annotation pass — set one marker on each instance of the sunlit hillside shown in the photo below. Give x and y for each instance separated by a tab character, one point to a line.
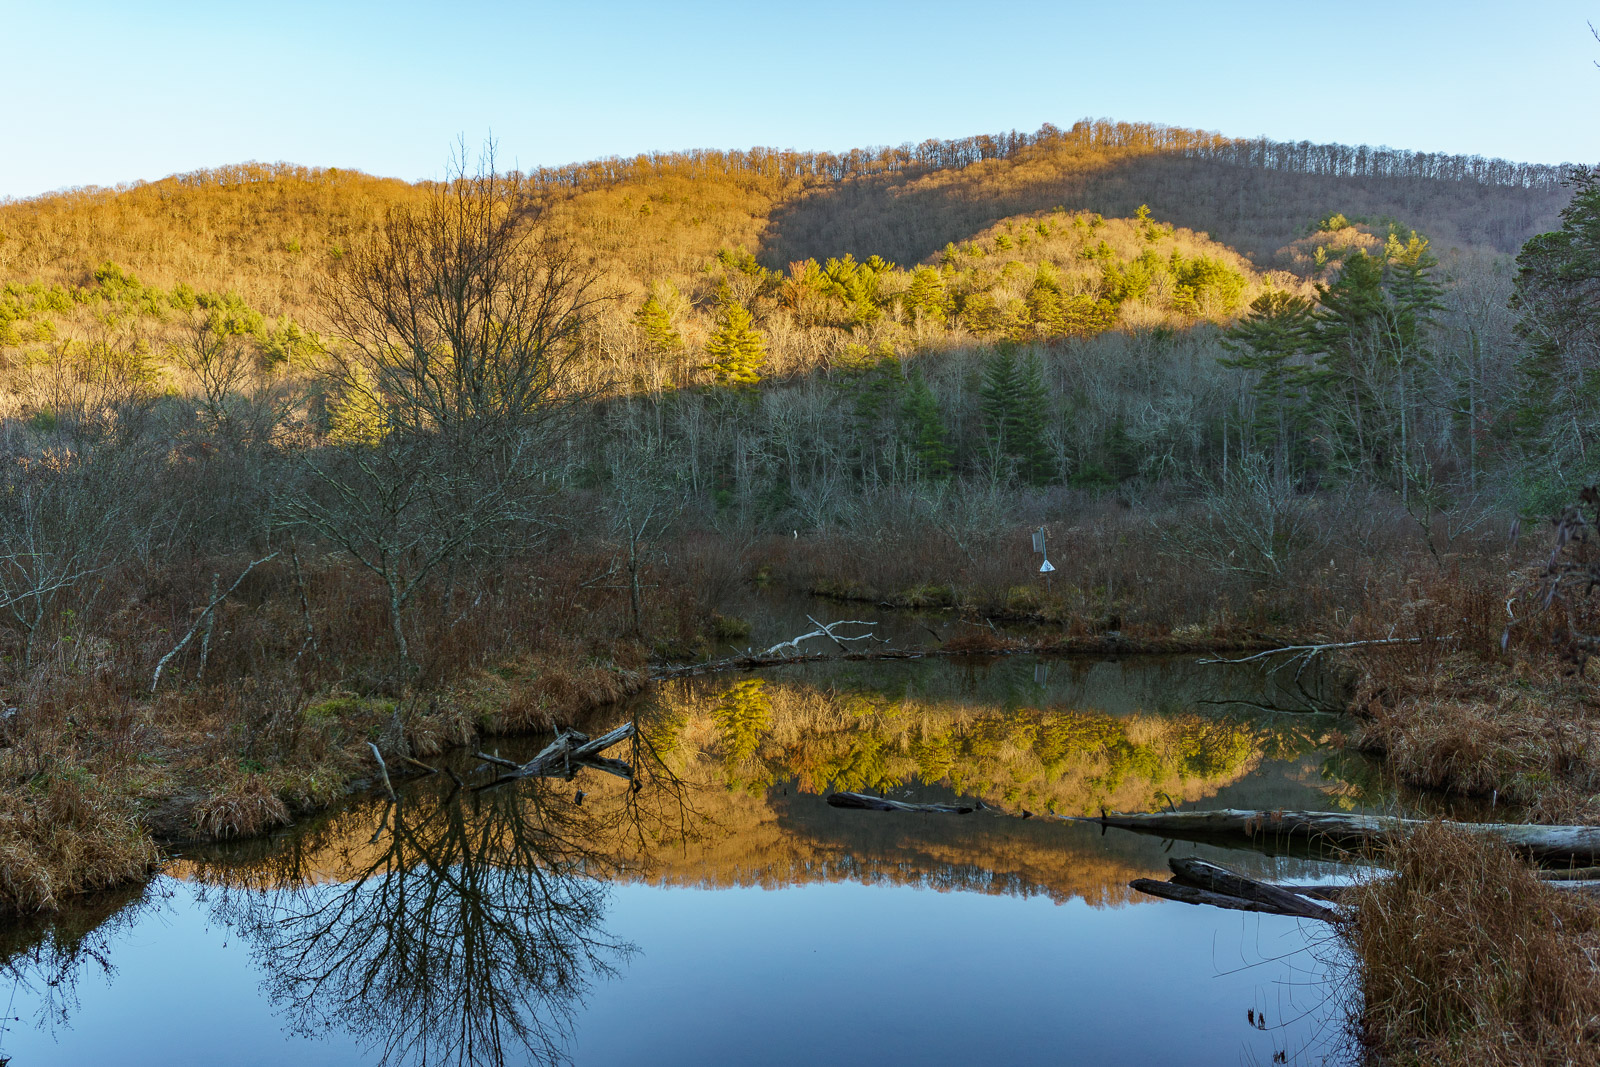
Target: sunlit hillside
266	231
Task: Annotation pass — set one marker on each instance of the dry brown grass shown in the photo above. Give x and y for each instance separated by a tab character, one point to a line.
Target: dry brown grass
1456	711
1533	745
246	808
1117	569
64	832
94	769
1464	957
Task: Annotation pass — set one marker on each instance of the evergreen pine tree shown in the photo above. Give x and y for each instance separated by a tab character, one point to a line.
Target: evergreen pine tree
655	327
1012	401
736	350
1353	328
997	396
1557	300
1408	271
1030	418
1272	340
924	429
925	297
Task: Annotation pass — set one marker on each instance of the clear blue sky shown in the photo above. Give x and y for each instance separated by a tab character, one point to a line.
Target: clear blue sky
100	93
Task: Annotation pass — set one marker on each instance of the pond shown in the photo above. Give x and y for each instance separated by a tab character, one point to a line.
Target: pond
717	910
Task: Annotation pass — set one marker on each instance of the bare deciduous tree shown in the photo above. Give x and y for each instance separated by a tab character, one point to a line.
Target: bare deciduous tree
457	329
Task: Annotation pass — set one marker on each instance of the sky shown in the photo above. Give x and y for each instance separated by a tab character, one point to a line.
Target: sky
98	93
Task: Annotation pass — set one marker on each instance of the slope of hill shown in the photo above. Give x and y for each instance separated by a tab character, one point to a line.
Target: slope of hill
265	231
1253	196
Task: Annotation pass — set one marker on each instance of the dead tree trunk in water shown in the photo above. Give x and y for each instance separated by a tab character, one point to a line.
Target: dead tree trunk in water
570	750
1570	846
1194	881
872	803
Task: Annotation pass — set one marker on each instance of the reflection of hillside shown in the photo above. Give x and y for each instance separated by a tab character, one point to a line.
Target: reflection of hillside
780	838
755	755
796	839
1066	757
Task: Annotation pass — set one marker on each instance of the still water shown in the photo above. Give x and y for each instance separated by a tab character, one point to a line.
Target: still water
721	912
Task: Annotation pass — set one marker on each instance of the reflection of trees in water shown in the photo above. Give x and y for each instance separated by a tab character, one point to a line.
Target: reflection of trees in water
470	924
743	716
46	958
1060	758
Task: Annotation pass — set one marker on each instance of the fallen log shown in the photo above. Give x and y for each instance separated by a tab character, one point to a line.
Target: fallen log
569	751
1576	874
1565	846
1330	893
1198	873
620	768
747	662
1188	894
1577	880
872	803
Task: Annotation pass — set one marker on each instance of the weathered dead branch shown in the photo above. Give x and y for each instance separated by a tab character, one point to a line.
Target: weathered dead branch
568	752
1188	870
1303	655
204	618
383	770
871	803
823	629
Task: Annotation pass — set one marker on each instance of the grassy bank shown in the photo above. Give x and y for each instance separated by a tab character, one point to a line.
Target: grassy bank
1466	958
271	715
1463	957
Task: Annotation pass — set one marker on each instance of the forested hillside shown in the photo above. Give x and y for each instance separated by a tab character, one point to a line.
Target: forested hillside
264	230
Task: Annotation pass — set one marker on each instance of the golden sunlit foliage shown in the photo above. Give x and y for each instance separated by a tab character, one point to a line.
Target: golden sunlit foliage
759	732
263	231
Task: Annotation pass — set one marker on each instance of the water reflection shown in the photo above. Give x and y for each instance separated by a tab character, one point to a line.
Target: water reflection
467	926
45	959
474	927
1070	748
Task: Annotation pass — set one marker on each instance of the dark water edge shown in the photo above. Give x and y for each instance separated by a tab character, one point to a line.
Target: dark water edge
726	914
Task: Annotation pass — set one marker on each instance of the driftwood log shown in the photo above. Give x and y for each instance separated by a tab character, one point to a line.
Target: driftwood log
568	752
872	803
1566	846
1188	870
1194	881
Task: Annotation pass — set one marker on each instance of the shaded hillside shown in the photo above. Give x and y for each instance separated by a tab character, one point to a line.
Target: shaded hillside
1254	196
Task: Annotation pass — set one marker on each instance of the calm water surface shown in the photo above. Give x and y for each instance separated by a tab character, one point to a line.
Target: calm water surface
723	913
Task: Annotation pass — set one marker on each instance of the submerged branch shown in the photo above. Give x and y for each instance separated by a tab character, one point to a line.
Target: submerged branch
569	751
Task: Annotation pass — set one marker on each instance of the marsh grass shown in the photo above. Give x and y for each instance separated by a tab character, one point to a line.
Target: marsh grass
1466	958
1457	710
266	726
64	832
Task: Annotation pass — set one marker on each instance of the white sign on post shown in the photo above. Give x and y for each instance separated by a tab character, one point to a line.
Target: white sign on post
1038	546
